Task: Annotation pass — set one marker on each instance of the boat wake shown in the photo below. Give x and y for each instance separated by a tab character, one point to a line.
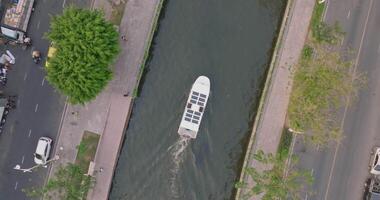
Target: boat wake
177	153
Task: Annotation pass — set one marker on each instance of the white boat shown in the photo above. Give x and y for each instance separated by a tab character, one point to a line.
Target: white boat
195	107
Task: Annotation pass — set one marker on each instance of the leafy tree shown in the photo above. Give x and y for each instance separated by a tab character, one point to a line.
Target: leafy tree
86	45
70	183
323	83
282	181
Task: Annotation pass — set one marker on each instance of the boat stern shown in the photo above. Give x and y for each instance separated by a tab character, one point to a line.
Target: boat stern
187	133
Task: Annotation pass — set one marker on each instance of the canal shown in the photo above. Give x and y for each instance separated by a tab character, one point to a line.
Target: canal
231	43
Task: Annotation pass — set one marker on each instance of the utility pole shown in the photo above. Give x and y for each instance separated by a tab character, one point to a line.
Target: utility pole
18	167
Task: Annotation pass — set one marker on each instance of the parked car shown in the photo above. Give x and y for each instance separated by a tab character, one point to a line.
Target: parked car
42	151
373	190
375	165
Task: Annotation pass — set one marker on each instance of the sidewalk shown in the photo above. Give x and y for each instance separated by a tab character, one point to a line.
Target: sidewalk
270	120
108	114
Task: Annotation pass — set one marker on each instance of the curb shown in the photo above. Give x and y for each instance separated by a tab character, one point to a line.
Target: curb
147	47
277	51
64	112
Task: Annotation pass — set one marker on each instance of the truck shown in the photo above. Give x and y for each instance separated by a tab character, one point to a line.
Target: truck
15	16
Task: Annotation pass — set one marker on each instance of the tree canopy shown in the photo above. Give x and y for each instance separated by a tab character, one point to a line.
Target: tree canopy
282	181
86	45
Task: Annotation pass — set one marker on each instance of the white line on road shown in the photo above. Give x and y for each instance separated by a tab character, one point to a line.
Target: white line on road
306	196
18	102
312	171
64	2
26	74
38	24
30	132
347	104
16	185
22	159
43	81
349	13
36	108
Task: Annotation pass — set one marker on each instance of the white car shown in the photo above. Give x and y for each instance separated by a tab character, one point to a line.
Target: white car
375	165
42	151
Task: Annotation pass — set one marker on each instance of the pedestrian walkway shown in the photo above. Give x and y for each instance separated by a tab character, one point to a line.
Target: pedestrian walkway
271	115
108	114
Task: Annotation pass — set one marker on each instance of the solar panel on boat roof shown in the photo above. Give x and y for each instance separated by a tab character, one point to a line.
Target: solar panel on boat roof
194	97
193	101
200	103
197	113
190	111
194	121
195	93
196	117
201	99
187	119
189	115
203	95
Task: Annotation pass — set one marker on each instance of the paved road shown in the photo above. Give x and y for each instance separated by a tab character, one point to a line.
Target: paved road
39	107
341	170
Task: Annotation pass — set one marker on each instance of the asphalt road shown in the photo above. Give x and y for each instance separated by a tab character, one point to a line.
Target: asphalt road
39	106
340	170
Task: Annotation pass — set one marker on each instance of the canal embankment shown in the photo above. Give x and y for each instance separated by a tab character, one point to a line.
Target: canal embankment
271	115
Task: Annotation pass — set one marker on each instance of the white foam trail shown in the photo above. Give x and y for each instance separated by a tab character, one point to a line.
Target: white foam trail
177	152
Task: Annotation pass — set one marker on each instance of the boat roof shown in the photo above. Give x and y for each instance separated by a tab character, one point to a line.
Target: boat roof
195	107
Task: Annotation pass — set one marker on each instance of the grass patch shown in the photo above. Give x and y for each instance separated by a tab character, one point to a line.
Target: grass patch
317	16
307	52
285	142
117	13
87	150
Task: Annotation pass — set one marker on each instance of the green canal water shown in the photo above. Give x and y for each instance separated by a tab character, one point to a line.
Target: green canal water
231	43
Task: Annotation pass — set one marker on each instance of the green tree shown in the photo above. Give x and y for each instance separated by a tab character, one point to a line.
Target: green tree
86	45
282	181
69	183
323	84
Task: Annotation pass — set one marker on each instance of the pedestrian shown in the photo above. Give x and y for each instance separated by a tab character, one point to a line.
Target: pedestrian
123	37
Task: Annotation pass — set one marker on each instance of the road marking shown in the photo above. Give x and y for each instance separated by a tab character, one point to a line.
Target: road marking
325	11
16	185
18	102
349	13
30	132
26	75
347	104
312	171
64	2
22	160
36	108
38	24
306	197
43	81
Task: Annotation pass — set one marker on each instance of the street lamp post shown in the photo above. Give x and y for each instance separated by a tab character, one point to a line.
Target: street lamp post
18	167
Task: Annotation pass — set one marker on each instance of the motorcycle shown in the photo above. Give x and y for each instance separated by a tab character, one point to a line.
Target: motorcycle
36	55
